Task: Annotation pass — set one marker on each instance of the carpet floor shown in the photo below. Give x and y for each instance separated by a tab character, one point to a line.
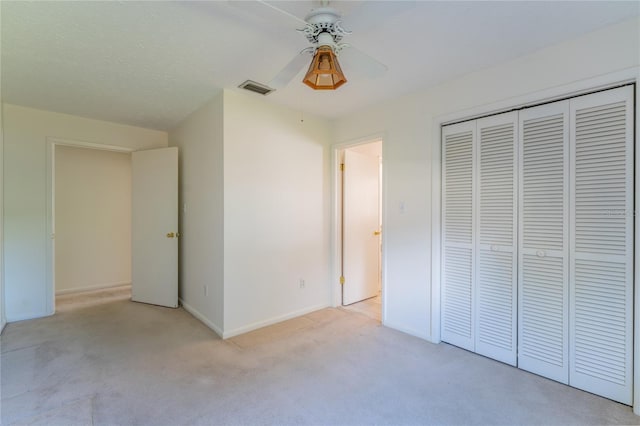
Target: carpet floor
124	363
370	307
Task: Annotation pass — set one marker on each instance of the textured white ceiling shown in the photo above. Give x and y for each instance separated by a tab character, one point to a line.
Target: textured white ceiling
151	64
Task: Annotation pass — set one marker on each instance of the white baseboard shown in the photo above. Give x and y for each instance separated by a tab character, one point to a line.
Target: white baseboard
193	311
28	316
92	287
274	320
416	333
249	327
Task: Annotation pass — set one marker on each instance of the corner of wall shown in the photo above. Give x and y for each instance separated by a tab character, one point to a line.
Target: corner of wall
193	311
199	138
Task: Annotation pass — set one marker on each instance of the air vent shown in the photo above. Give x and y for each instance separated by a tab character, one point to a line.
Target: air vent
256	87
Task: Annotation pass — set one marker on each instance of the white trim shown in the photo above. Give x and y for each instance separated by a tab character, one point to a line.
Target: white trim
52	142
29	316
336	290
629	75
636	302
193	311
274	320
436	230
89	145
411	331
3	305
93	288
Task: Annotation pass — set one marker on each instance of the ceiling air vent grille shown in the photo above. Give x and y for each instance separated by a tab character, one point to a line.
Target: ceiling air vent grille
256	87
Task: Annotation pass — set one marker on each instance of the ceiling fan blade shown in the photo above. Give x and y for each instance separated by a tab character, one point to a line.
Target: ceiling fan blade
267	12
291	69
293	17
369	15
356	63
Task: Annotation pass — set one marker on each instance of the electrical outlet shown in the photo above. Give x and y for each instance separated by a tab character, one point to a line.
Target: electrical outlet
206	290
302	283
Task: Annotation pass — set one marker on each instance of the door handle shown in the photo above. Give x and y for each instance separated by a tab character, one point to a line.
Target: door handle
376	232
171	235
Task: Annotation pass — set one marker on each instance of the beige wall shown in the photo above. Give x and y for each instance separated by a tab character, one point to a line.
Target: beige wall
200	140
27	132
92	219
277	209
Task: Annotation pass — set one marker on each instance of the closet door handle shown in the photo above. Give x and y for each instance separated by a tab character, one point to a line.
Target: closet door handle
540	253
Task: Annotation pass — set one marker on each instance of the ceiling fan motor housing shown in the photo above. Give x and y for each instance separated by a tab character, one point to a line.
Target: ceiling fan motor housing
324	27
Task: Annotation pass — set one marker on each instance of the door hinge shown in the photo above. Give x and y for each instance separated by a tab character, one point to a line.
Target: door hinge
342	167
341	280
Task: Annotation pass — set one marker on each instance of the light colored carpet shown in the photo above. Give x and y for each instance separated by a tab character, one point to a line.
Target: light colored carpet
371	307
86	299
132	364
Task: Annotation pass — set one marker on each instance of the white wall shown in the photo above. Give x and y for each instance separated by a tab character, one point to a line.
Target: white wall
255	181
276	213
92	219
410	138
200	141
27	291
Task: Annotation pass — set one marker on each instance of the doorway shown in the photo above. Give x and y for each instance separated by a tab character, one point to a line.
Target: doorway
152	245
90	207
361	228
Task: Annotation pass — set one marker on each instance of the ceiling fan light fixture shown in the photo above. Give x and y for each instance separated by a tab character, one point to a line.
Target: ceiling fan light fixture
324	72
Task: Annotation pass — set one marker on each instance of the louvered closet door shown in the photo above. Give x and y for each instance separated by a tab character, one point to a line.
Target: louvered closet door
496	277
543	240
457	263
601	272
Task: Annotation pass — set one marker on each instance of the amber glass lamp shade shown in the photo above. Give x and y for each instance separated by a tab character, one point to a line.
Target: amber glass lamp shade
324	72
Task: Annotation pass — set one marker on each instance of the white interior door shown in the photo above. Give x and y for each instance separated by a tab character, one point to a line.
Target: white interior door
361	227
155	227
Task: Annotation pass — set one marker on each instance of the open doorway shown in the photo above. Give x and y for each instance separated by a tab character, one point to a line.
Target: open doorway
361	228
139	250
91	226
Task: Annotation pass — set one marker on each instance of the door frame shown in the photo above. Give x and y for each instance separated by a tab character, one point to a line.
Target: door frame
602	82
52	143
336	222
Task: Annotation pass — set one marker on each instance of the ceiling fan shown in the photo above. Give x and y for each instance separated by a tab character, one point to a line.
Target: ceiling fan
323	29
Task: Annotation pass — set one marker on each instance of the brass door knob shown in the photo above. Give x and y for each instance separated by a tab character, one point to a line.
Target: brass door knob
171	235
376	232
